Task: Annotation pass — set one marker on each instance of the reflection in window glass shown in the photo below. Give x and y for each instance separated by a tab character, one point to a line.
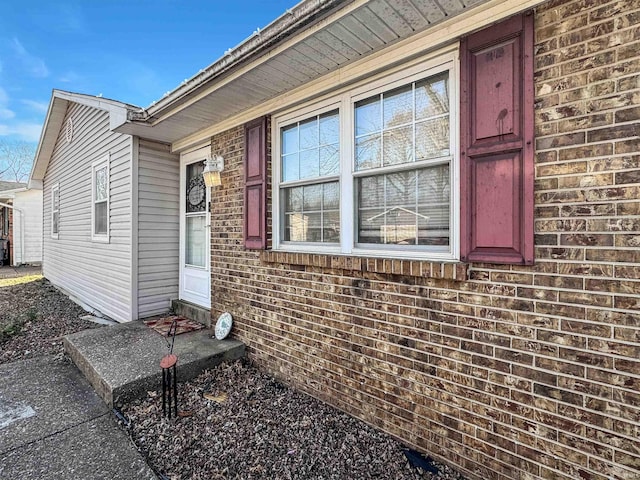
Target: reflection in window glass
311	213
405	208
310	148
405	125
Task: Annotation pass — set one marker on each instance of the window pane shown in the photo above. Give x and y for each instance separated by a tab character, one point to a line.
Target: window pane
101	184
330	196
329	128
56	199
434	198
309	163
432	96
398	107
373	191
432	138
100	218
290	140
55	222
312	197
312	213
195	253
401	189
329	160
293	199
331	227
368	118
407	208
309	134
368	152
290	167
398	146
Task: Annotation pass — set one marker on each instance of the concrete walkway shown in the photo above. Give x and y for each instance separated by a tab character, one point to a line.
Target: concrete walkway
53	425
122	362
14	272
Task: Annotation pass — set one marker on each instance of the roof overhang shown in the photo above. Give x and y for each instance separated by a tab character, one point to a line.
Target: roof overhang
316	40
56	112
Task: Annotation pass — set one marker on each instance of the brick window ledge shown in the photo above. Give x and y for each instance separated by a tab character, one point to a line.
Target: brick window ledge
413	268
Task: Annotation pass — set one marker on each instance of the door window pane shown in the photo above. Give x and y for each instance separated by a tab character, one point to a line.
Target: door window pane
195	252
196	192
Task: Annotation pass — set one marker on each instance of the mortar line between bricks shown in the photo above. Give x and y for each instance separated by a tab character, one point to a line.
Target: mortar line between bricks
12	449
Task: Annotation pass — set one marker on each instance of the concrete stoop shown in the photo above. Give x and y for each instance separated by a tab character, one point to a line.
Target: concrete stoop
122	362
192	311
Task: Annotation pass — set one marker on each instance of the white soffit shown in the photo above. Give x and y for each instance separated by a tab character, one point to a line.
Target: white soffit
368	28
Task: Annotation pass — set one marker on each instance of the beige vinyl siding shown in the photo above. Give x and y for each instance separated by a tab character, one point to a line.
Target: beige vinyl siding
27	227
158	227
98	274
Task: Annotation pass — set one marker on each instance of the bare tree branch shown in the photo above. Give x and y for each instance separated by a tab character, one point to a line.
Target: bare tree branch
16	158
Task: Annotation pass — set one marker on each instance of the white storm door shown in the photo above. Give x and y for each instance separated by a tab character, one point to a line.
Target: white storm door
195	238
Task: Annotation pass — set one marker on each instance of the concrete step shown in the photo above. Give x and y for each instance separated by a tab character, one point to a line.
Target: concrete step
122	362
192	311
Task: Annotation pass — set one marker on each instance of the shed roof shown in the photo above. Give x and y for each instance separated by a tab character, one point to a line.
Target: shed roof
4	185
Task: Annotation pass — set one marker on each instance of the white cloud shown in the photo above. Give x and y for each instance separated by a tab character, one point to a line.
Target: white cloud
40	107
29	132
33	64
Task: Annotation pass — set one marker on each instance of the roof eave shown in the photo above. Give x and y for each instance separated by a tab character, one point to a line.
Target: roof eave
292	20
60	99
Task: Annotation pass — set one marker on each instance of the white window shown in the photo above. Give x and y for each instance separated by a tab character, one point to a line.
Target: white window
100	201
55	210
373	171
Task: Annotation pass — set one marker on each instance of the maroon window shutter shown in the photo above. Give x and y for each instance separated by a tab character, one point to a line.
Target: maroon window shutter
255	190
497	148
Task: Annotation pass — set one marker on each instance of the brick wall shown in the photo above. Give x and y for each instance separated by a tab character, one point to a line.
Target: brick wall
506	372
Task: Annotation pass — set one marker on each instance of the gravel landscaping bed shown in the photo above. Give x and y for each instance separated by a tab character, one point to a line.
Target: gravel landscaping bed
236	422
33	318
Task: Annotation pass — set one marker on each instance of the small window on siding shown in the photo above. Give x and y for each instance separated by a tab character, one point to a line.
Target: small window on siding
55	210
100	201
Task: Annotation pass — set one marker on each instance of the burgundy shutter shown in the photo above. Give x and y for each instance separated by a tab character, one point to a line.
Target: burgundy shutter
497	148
255	190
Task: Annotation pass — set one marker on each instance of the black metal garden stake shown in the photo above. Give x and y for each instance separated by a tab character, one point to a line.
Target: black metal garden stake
170	377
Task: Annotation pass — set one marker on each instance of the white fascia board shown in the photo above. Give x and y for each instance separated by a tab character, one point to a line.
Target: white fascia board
53	123
48	136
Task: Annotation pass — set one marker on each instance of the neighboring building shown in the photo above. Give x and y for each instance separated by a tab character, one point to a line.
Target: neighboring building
21	222
429	218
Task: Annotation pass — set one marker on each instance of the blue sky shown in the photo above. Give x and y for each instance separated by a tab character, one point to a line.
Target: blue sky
129	50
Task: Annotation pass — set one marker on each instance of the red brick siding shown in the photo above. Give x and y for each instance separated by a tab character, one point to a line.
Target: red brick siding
507	372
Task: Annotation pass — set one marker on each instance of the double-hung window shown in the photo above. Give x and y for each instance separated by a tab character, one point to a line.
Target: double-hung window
370	172
55	210
100	201
310	182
